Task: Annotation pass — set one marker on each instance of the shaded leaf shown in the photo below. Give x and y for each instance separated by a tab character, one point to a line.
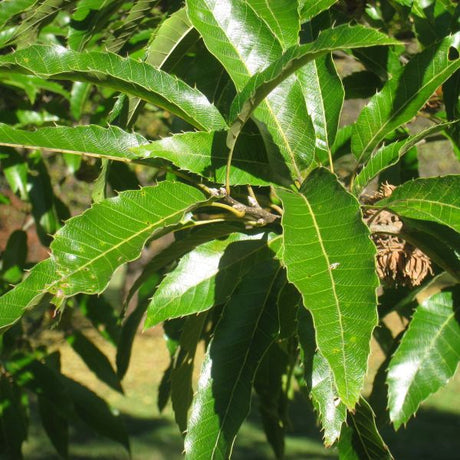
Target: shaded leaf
435	199
246	330
95	359
273	401
13	419
427	356
361	439
182	372
403	96
55	425
122	74
330	259
95	412
174	37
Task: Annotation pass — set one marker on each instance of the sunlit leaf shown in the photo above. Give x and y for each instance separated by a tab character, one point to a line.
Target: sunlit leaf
112	143
122	74
246	330
330	259
207	276
404	95
427	356
436	199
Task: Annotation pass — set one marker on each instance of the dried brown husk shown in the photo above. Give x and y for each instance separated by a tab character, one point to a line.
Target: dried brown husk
398	262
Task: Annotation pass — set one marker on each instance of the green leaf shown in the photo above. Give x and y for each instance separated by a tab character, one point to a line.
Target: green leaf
95	359
246	330
403	96
95	412
78	98
120	35
330	259
207	276
281	17
182	373
10	10
206	154
14	257
324	95
318	376
34	19
15	170
174	37
310	8
284	111
389	155
339	38
435	199
112	143
122	74
361	439
26	294
89	248
55	425
32	85
427	356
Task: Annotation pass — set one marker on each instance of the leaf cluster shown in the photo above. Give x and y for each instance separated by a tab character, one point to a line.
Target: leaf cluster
212	134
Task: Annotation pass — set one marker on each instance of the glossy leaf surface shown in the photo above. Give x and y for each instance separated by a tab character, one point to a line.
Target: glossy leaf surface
404	95
206	276
26	294
330	259
89	248
389	155
319	379
427	356
122	74
436	199
244	44
206	154
245	331
112	143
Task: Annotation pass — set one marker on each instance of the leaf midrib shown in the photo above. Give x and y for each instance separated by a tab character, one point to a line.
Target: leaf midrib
403	107
150	228
430	346
339	314
246	357
265	101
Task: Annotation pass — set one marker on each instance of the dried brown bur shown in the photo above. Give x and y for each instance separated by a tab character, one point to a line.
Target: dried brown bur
398	262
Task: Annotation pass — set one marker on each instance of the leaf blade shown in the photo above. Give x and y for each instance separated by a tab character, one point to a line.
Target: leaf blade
426	358
435	199
90	246
313	232
403	96
246	330
123	74
92	140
